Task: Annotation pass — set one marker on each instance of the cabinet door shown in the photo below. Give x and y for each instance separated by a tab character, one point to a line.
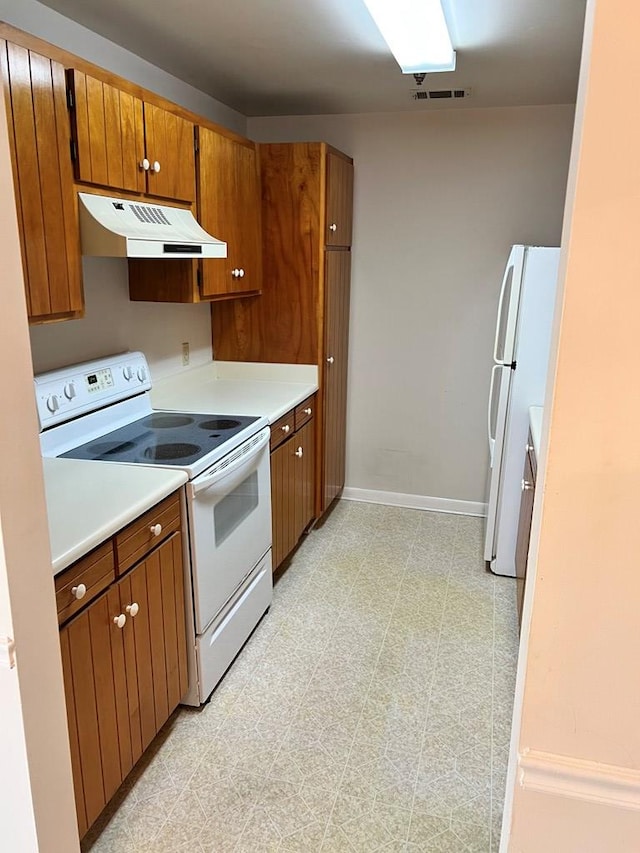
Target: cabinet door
35	96
336	342
169	141
108	132
92	664
524	531
283	498
339	215
304	477
229	208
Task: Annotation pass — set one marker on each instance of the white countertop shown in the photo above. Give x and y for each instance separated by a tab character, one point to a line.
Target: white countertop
89	501
237	388
535	422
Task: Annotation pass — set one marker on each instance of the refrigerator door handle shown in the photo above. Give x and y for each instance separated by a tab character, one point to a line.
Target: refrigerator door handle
491	437
501	308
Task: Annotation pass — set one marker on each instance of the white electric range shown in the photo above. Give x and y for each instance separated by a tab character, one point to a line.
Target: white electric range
101	411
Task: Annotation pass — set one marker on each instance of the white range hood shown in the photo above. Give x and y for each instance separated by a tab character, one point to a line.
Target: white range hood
117	228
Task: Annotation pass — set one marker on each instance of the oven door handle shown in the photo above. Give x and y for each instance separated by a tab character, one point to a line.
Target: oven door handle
238	468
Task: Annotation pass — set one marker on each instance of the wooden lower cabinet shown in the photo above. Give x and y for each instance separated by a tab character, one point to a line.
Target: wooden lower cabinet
125	670
292	487
524	522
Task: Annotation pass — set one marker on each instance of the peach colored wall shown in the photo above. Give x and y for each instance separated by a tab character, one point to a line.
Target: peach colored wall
36	795
577	786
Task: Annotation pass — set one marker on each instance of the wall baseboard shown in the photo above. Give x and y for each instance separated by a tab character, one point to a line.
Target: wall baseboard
415	501
578	779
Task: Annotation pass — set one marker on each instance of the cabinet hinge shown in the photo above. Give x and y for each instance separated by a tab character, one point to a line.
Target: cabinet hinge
74	150
70	101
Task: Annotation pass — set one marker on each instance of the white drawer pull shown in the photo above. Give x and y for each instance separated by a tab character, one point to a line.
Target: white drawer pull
333	227
155	166
307	411
132	609
156	529
79	591
119	620
526	485
330	360
286	428
144	165
299	453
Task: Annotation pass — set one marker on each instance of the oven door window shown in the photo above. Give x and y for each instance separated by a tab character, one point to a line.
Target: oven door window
232	510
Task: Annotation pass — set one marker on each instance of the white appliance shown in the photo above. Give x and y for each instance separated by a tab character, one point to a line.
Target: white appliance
117	228
518	379
101	411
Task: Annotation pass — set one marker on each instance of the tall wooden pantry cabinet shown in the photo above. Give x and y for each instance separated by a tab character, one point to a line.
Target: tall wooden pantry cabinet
302	315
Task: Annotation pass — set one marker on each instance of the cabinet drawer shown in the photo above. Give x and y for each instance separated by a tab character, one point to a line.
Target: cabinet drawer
146	532
305	411
282	429
95	572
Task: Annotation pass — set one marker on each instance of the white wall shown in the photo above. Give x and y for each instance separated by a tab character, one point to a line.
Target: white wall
39	20
439	199
113	324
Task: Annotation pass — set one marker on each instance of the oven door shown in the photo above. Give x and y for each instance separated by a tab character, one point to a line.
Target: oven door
229	509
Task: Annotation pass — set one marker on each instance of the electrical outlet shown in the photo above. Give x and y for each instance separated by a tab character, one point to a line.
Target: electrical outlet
185	353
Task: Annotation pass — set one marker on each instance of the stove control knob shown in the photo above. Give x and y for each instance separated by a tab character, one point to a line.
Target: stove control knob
142	374
127	372
69	390
53	404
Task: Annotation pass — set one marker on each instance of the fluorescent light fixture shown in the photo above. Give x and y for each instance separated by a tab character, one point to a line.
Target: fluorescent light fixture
416	32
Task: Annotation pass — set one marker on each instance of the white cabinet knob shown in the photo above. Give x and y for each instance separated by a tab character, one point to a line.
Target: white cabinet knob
155	167
79	591
286	428
526	485
529	447
330	360
299	453
132	609
144	165
120	620
333	227
241	271
156	529
307	411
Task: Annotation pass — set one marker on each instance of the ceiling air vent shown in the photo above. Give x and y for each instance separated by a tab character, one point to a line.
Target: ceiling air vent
421	94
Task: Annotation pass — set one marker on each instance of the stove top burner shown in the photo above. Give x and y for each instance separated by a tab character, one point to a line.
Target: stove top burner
167	421
171	452
219	423
111	448
165	438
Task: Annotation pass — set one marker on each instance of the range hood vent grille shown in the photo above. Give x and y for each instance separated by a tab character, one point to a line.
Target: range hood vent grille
152	215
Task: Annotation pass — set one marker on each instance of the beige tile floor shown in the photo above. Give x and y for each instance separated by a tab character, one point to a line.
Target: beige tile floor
369	711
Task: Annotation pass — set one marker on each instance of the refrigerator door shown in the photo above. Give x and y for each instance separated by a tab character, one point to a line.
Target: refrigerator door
501	379
505	339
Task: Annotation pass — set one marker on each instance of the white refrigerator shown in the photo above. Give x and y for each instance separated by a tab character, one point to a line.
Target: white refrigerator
518	379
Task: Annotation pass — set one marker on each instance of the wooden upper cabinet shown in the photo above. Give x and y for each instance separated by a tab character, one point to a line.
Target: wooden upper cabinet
108	132
169	143
229	208
339	212
124	143
38	122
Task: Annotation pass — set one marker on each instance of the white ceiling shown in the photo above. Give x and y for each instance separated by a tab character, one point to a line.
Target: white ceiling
288	57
